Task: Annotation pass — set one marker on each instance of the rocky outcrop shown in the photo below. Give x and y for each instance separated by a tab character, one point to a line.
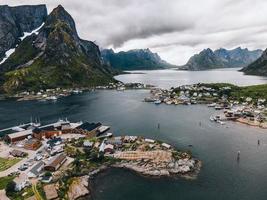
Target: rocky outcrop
259	67
14	21
221	58
138	59
55	57
78	188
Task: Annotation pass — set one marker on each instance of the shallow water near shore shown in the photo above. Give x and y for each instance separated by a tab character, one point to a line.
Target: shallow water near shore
221	176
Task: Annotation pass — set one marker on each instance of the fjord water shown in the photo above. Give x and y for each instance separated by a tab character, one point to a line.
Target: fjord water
221	176
173	78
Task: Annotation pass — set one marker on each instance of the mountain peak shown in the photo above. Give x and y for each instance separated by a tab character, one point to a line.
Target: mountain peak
59	14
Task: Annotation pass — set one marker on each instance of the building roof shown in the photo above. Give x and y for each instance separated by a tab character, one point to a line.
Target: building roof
57	160
21	178
36	168
89	126
18	153
20	134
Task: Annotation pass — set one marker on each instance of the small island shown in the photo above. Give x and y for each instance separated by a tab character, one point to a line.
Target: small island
58	160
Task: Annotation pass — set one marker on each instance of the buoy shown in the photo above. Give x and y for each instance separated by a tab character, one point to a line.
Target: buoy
258	142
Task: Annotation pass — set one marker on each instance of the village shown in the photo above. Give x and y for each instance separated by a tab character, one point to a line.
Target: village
54	94
55	161
248	110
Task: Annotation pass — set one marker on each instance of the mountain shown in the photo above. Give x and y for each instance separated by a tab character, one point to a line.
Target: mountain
221	58
258	67
138	59
14	21
55	57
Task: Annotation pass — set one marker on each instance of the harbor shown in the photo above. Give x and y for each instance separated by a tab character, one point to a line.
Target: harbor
42	154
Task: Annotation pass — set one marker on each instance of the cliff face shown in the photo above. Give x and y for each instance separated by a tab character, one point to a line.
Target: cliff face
139	59
221	58
55	57
259	67
14	21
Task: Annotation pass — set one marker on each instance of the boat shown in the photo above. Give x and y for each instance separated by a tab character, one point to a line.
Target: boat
212	118
120	88
212	105
218	107
157	102
54	98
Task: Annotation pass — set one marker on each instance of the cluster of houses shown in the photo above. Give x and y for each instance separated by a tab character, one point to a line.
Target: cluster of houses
186	94
46	144
122	86
246	111
48	94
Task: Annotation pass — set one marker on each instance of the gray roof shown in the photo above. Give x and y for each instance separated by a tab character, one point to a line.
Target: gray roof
36	169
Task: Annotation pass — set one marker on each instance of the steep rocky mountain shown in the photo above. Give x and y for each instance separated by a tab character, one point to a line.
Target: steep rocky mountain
55	57
138	59
258	67
14	21
221	58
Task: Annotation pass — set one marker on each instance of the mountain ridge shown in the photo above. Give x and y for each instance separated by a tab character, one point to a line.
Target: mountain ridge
258	67
221	58
55	57
135	59
14	21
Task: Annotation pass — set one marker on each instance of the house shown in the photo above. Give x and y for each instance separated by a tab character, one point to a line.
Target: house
87	143
88	128
32	144
18	153
149	140
18	136
117	141
21	182
56	163
36	170
109	148
166	145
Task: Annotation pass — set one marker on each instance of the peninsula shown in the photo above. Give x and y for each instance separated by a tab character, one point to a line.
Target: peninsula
57	160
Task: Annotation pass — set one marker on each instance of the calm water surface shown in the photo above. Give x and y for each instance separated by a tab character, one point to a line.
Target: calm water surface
172	77
221	177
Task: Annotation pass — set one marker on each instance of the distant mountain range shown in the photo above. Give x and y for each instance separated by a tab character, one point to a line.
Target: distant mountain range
138	59
53	56
258	67
221	58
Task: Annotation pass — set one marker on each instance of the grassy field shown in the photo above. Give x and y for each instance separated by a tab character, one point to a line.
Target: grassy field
7	163
4	181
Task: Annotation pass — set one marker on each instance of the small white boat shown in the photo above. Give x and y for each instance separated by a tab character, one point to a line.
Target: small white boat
212	105
211	118
157	102
54	98
120	88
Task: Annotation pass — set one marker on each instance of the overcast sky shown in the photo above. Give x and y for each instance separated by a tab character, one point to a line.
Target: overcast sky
176	29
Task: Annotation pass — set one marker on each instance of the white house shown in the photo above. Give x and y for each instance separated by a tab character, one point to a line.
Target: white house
21	182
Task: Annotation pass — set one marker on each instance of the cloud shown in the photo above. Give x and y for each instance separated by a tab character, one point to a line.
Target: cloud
176	29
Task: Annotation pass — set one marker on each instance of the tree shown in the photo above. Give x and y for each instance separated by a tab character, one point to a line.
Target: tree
10	187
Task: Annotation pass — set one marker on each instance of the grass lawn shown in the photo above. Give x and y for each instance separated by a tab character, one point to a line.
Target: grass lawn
7	163
4	181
